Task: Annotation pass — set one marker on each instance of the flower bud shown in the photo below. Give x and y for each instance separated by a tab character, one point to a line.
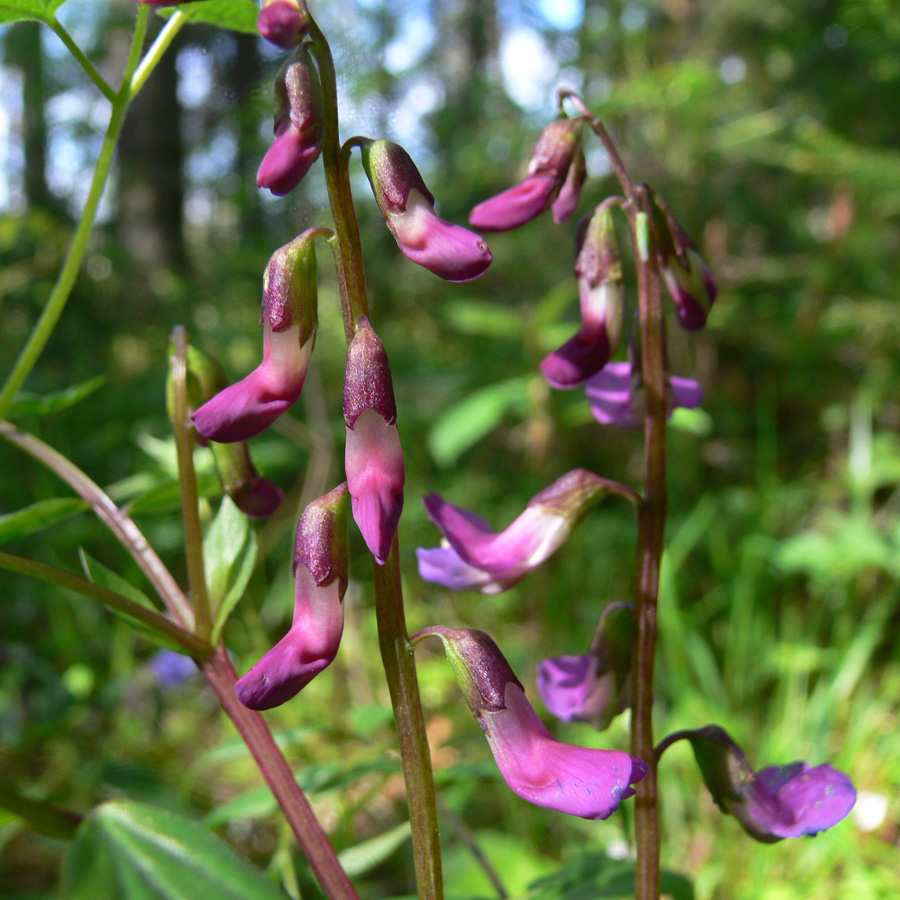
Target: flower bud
685	272
373	456
450	251
776	802
594	687
289	319
320	573
601	297
574	780
283	22
298	125
555	154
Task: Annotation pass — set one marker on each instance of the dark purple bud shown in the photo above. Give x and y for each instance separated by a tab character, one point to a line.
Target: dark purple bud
373	455
283	22
298	125
254	495
320	573
775	803
450	251
574	780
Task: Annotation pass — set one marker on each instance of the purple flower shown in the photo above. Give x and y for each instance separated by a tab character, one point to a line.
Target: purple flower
777	802
245	409
616	400
298	126
570	779
373	456
283	23
600	293
685	272
594	687
171	669
555	156
320	573
450	251
480	558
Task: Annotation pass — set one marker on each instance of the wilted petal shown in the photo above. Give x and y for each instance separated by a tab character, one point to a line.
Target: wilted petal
514	206
450	251
248	407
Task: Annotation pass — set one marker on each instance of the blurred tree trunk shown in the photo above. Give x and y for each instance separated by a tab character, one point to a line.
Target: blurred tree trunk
151	188
23	50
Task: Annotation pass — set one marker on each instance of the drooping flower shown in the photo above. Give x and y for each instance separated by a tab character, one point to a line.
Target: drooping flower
320	573
596	686
776	802
555	155
373	456
450	251
298	125
289	319
480	558
283	22
616	395
570	779
601	297
685	272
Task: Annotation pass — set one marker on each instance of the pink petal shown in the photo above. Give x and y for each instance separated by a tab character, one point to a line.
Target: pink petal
515	206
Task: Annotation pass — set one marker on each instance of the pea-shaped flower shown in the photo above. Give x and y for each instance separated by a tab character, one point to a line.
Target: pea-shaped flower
575	780
283	22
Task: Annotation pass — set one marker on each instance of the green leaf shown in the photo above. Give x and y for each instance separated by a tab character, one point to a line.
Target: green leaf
237	15
39	515
16	10
134	851
363	857
36	405
465	423
229	554
166	496
590	876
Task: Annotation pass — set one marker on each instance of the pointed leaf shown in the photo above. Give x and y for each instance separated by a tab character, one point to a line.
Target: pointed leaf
38	516
236	15
16	10
134	851
37	405
363	857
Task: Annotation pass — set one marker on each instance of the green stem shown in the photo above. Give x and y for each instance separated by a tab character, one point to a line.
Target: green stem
187	484
127	533
346	246
396	652
59	296
274	767
153	620
80	57
651	528
44	818
154	54
398	657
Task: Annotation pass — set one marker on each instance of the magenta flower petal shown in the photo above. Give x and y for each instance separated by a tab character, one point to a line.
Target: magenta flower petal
309	646
258	498
576	360
245	409
450	251
282	23
514	206
566	684
443	565
574	780
288	159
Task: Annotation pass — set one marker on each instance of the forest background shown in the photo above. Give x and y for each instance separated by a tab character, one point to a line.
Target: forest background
772	128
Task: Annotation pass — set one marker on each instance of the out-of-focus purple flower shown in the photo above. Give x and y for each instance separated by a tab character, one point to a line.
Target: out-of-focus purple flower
450	251
481	559
776	802
555	155
373	456
686	275
594	687
601	297
320	573
574	780
171	669
289	319
616	399
298	125
283	22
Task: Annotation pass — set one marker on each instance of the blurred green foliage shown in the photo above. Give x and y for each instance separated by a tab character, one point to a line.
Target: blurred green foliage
772	129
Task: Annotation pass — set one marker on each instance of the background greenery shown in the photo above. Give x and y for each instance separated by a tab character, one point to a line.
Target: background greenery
772	129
